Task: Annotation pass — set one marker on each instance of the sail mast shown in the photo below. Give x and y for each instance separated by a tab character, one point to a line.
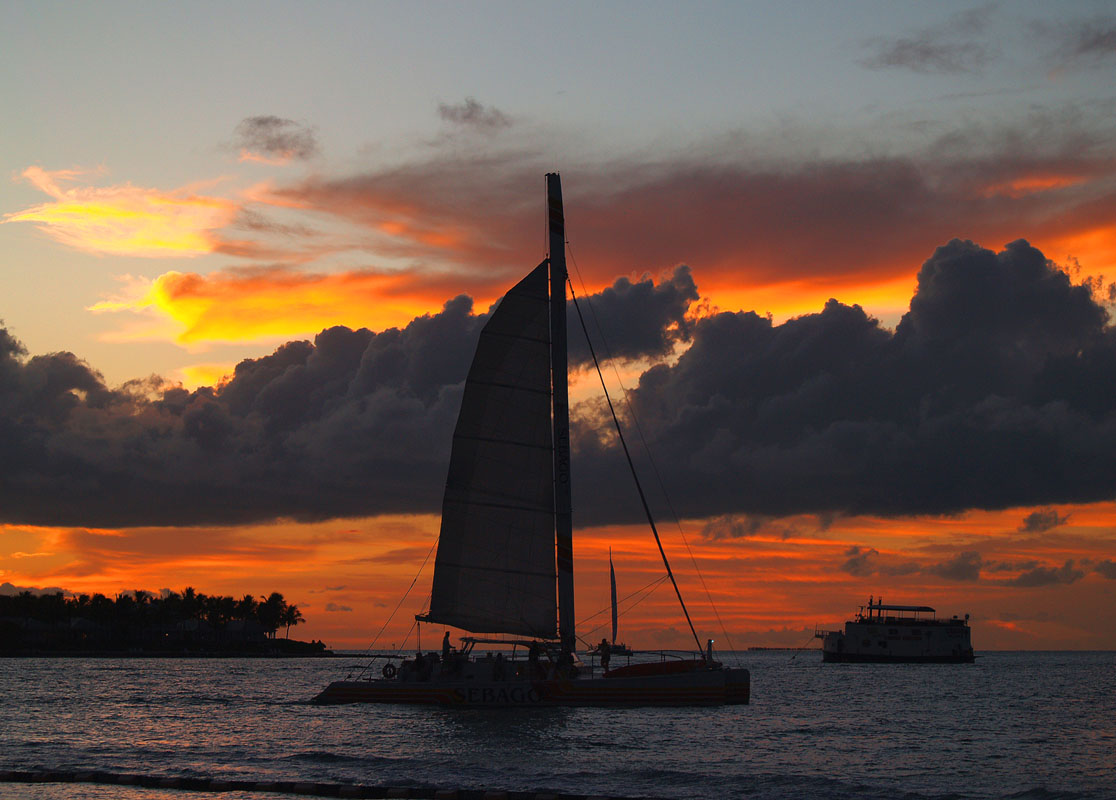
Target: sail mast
560	388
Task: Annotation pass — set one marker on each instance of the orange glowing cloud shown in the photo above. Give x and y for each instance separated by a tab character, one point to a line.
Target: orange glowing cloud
125	219
243	305
1032	184
778	239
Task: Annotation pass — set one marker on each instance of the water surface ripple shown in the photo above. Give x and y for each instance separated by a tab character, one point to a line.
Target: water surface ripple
1035	726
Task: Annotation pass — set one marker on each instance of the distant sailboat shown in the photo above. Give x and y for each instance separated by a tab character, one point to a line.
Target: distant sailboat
615	648
506	538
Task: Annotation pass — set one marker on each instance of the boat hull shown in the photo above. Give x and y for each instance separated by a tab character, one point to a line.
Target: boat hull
697	688
891	640
876	658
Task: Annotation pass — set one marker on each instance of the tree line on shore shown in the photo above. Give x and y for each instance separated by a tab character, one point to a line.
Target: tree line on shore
143	620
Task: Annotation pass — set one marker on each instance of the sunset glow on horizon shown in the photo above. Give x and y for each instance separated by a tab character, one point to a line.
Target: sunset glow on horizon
859	283
768	588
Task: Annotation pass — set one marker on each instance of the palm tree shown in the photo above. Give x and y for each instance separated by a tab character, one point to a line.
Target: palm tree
270	612
246	608
291	616
191	603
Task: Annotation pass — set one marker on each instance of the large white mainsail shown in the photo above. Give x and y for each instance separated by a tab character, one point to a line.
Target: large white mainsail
495	570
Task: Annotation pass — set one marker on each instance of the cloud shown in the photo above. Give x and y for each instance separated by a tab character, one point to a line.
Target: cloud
445	226
8	589
996	390
865	561
948	48
1096	39
861	561
336	607
124	219
1049	576
1042	520
473	114
963	567
772	233
926	54
353	423
1009	566
1107	568
1088	42
631	320
744	526
266	302
274	140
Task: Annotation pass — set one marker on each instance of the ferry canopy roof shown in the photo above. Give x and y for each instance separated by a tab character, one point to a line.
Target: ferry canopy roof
902	608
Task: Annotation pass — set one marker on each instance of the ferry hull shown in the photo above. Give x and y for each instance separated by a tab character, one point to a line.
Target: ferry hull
698	688
876	658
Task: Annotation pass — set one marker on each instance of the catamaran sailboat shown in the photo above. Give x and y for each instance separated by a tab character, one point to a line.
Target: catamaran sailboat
506	539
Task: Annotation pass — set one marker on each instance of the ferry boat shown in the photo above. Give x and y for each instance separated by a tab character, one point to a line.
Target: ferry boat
898	634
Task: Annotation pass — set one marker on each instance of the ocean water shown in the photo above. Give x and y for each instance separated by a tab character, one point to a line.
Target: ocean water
1013	725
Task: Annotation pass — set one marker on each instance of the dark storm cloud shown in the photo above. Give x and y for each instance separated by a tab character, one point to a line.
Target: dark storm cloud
965	567
865	561
1010	566
1107	568
353	423
275	137
962	567
997	389
860	561
634	320
1049	576
474	115
1043	520
746	526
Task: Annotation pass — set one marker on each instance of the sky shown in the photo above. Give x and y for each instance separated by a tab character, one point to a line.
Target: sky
855	263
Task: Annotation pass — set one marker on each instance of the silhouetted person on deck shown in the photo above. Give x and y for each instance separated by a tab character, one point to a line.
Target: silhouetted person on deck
565	664
605	650
446	647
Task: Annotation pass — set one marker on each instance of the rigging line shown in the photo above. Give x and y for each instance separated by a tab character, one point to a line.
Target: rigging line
647	450
803	647
398	605
647	591
631	466
652	586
